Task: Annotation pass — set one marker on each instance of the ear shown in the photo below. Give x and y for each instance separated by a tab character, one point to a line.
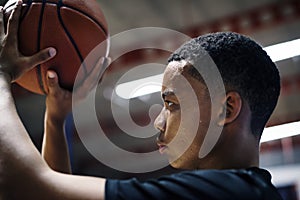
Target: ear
230	108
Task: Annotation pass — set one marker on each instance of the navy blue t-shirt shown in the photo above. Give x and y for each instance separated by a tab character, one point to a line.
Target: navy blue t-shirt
252	183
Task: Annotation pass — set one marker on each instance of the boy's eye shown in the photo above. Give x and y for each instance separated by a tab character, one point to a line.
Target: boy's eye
169	103
171	106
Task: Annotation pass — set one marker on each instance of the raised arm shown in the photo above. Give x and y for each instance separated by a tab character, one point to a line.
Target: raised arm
58	105
23	172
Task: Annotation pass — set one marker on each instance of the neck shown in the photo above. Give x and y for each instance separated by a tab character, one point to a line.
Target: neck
231	152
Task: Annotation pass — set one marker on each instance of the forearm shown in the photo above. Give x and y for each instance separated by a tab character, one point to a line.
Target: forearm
23	173
20	160
55	149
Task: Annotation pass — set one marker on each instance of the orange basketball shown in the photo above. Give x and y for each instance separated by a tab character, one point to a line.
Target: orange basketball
73	27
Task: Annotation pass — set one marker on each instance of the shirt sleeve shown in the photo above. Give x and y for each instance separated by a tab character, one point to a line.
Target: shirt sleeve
206	184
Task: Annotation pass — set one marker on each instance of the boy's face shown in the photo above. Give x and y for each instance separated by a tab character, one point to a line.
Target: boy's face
185	117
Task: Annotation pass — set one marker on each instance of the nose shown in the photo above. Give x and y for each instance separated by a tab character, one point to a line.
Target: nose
160	121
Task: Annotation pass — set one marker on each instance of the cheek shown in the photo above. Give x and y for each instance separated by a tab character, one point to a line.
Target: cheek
205	119
172	125
205	109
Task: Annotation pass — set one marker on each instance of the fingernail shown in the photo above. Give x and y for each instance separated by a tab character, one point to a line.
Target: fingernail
19	2
51	75
52	52
102	60
105	61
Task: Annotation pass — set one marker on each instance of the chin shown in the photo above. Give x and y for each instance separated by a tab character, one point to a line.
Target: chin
184	164
177	164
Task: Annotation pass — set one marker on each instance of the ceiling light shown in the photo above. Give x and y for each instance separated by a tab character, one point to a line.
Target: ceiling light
284	50
139	87
280	131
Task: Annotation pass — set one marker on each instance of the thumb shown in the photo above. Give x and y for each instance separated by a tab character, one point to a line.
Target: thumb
52	82
42	56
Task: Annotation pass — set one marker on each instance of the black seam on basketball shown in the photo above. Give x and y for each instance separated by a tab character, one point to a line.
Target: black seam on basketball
70	36
71	7
92	18
61	4
39	70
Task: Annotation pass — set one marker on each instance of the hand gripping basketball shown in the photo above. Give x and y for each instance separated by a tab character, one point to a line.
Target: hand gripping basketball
13	62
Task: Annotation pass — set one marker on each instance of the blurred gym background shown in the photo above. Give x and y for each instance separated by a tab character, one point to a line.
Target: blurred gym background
269	22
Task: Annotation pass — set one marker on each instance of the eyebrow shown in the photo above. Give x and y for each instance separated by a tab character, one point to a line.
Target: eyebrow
167	93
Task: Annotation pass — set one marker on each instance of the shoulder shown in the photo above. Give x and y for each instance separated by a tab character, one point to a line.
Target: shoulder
208	184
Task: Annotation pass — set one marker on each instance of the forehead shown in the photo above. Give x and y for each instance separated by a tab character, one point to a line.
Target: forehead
180	83
173	70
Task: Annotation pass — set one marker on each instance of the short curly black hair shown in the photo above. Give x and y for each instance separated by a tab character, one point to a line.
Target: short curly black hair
244	66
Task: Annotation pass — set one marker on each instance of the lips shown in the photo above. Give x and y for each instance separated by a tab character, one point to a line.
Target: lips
161	144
